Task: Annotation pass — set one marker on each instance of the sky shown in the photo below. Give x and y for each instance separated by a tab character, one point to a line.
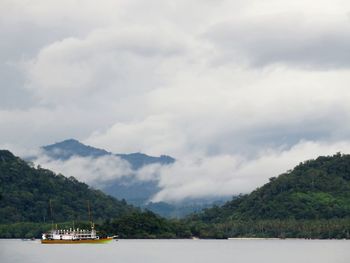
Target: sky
237	91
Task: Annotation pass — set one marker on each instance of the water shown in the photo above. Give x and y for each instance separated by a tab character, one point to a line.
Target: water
168	251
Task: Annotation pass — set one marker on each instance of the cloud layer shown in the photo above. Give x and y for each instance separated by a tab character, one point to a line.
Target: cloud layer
228	175
294	39
93	171
195	178
223	82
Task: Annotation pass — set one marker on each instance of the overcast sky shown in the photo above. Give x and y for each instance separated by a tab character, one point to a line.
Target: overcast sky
238	90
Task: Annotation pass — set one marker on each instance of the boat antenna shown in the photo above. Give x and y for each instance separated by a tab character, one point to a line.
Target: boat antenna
51	212
89	211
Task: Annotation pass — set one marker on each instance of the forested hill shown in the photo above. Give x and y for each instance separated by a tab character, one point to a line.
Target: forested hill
315	189
25	193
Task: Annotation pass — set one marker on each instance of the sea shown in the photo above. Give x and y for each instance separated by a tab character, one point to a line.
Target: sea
168	251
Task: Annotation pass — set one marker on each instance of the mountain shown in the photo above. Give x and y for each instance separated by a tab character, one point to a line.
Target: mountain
25	193
123	187
315	189
134	191
71	147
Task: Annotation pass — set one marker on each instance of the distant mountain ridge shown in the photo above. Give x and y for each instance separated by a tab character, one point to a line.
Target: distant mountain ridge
68	148
127	187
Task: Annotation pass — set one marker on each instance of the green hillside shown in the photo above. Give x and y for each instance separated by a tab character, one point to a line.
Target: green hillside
25	193
313	197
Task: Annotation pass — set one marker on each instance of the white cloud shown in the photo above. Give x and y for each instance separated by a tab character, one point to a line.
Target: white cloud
158	134
93	171
280	106
102	63
229	175
194	177
320	42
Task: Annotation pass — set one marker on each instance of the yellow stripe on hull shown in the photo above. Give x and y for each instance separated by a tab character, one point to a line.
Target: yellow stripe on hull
81	241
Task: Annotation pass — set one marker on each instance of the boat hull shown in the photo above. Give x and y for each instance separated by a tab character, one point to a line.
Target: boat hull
81	241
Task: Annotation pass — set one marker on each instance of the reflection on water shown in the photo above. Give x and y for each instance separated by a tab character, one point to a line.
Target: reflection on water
144	251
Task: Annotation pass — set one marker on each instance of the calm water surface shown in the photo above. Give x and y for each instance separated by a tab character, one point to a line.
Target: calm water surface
167	251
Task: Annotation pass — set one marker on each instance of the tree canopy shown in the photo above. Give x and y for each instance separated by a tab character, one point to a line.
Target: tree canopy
25	193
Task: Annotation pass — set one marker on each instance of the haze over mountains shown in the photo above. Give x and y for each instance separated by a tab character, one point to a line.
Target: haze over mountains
133	177
121	181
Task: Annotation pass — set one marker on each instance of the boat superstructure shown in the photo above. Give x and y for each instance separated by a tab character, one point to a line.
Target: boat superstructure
69	236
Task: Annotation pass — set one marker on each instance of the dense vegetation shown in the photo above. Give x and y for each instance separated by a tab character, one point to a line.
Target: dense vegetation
315	189
25	193
145	225
274	228
311	200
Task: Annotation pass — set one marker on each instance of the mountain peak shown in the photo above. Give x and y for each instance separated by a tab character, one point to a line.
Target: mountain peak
65	149
69	141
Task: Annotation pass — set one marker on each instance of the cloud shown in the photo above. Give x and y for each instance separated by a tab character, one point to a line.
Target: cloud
101	63
196	177
263	111
153	134
25	127
321	42
228	175
93	171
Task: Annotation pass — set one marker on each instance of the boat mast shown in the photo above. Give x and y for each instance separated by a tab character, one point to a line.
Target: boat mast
90	216
51	214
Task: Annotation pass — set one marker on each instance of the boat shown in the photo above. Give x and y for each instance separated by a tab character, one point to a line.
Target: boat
73	236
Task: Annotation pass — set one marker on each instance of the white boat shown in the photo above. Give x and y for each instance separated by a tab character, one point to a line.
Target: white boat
73	236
